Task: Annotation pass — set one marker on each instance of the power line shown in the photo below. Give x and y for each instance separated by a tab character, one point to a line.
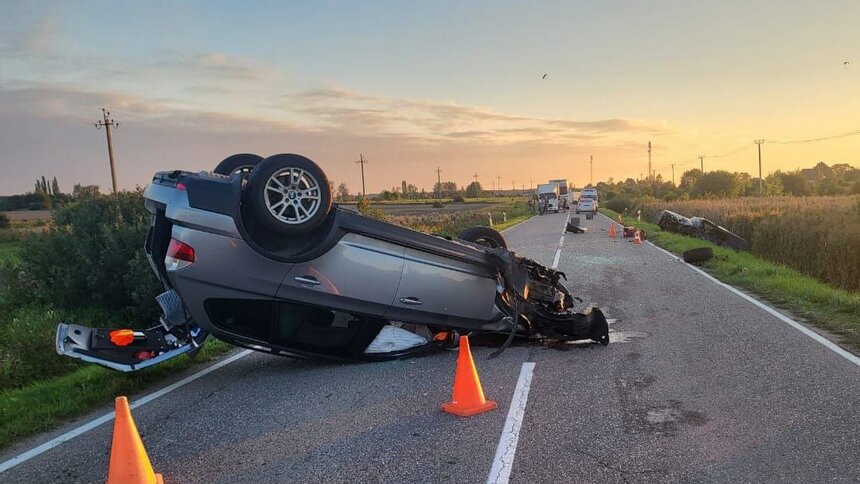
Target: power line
813	140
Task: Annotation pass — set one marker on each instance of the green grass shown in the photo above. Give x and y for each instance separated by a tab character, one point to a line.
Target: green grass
835	310
8	251
42	404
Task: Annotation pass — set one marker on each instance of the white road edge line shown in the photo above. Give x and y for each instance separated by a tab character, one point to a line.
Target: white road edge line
21	458
500	471
561	241
785	319
555	259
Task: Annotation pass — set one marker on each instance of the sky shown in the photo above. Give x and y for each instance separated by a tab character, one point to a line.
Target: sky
418	85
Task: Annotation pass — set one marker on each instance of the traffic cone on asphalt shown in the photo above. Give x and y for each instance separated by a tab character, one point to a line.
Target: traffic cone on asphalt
612	229
468	398
636	238
129	463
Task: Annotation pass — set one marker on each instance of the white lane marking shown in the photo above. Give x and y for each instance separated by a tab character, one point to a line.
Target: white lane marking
18	459
785	319
561	241
555	259
500	471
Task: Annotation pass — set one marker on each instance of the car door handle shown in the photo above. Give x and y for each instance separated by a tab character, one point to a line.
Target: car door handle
307	280
411	301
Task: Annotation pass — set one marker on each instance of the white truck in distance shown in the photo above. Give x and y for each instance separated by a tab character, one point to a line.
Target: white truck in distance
548	192
563	193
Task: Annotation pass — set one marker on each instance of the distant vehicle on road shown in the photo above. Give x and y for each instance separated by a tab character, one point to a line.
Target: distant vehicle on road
256	255
563	193
549	193
700	228
586	205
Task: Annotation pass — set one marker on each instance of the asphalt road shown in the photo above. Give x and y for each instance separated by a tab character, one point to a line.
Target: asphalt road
698	385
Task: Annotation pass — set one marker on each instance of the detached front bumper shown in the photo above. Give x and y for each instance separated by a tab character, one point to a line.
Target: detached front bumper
127	350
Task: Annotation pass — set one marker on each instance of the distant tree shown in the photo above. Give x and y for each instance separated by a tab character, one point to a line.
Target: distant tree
404	188
45	188
342	192
688	179
55	187
718	183
412	191
38	189
474	190
794	183
448	189
85	192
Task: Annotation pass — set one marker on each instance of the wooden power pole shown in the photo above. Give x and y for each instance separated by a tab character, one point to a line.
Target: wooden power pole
760	183
109	123
362	161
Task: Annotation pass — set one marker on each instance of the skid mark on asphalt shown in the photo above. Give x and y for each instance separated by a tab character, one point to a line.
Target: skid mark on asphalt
500	472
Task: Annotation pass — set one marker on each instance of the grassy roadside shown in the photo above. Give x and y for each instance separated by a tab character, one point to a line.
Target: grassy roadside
834	310
40	405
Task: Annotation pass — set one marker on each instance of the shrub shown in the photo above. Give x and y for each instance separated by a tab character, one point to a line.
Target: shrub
4	221
92	256
438	205
458	199
620	204
365	209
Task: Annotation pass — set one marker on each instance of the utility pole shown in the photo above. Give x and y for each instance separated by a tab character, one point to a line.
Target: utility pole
362	161
702	163
760	183
673	174
439	184
499	183
109	123
591	169
649	161
475	176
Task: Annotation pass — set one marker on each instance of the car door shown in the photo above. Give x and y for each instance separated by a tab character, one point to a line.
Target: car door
440	290
359	275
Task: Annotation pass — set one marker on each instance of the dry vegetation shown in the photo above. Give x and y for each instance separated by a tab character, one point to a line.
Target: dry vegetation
818	236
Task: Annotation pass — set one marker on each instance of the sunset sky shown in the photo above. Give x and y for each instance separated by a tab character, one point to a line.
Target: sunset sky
416	85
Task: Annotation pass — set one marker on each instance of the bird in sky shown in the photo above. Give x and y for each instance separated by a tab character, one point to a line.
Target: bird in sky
544	76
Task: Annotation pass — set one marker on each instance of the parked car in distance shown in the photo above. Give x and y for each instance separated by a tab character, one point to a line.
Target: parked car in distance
586	205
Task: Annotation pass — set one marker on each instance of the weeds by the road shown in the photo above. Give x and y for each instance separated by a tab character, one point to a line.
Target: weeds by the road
819	237
503	215
833	309
42	404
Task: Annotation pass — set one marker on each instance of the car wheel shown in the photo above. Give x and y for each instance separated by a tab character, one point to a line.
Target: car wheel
289	194
484	236
242	164
698	255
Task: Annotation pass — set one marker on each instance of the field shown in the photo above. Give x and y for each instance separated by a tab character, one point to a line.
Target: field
817	236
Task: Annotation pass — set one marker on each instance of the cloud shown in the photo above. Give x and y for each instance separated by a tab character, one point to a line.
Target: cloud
335	107
42	37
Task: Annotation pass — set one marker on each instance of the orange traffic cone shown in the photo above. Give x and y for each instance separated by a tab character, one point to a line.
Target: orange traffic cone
468	398
612	229
636	238
129	463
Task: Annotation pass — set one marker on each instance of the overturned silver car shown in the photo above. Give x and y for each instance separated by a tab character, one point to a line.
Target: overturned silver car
257	255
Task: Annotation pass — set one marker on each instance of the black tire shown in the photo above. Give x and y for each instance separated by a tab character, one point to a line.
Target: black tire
483	236
301	199
698	255
241	163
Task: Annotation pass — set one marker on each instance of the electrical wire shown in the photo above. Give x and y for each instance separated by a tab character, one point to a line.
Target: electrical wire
813	140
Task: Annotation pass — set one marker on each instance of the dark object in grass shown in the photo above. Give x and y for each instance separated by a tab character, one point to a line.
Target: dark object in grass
697	255
438	205
700	228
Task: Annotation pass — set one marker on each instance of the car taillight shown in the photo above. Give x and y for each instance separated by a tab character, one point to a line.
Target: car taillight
179	255
181	186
